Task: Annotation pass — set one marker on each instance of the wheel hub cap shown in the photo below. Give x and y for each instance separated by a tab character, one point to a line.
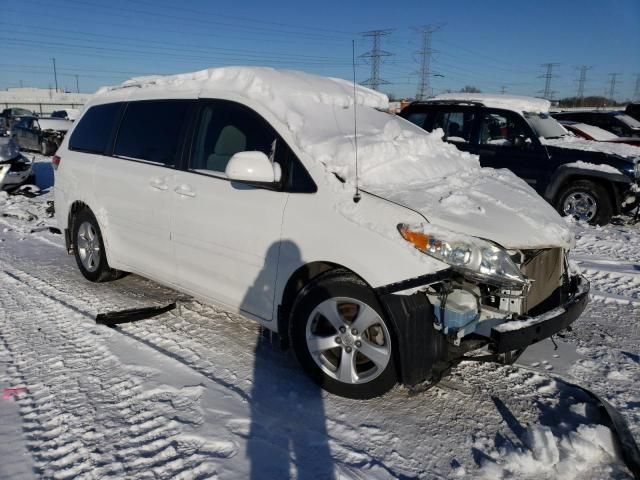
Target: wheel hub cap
348	340
580	205
88	246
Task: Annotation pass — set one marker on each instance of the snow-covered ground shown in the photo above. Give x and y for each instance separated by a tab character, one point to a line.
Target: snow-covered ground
202	393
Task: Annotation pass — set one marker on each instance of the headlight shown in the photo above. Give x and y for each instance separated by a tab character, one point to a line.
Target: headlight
466	254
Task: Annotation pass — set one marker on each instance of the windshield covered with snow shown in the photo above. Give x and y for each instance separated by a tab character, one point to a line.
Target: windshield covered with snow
626	119
545	126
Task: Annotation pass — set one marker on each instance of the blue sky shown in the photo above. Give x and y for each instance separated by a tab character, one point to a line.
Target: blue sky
487	44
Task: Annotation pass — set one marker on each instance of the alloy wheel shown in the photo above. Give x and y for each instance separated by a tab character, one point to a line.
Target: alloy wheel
88	245
348	340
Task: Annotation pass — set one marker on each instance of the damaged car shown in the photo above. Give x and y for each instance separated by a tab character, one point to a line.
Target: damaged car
390	261
15	169
43	135
586	180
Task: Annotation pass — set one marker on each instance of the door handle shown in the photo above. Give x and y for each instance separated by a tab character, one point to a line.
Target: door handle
185	190
158	184
488	153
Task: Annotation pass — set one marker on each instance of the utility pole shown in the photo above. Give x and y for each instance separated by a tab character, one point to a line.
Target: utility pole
425	60
375	55
612	85
636	91
581	82
55	74
548	93
503	89
77	83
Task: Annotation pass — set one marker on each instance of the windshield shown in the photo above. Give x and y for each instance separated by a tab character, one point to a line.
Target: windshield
627	120
545	126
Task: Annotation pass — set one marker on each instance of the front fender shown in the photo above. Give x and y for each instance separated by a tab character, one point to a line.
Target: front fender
565	173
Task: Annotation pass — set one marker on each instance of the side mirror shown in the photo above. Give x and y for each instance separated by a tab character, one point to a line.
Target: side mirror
252	167
521	142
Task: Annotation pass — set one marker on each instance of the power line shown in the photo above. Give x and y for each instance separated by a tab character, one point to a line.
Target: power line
581	82
375	55
55	74
425	60
548	93
612	85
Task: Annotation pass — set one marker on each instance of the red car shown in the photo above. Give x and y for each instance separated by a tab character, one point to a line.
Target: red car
591	132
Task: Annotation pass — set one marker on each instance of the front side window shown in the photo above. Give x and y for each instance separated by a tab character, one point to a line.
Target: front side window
457	125
24	123
152	131
95	128
502	128
224	129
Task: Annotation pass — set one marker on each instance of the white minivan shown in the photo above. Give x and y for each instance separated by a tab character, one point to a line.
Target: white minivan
378	252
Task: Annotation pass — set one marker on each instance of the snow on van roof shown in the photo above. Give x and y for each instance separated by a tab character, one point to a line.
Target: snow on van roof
318	113
395	156
510	102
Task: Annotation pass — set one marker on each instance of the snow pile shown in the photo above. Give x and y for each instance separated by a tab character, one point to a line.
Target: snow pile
319	114
545	455
18	206
516	103
575	143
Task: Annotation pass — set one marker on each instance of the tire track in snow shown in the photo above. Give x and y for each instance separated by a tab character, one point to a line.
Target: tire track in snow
429	435
85	414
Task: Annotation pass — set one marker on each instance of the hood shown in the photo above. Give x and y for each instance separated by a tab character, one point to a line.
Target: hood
486	203
591	148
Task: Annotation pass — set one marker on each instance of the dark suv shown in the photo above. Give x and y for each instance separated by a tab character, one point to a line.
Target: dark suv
517	133
633	110
618	123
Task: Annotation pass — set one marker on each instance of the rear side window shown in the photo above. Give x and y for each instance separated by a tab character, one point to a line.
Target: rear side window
152	131
95	128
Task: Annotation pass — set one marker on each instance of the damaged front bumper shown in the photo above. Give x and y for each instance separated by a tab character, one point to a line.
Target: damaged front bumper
523	331
426	352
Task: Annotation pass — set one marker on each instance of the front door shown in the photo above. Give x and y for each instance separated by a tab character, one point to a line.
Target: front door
458	125
506	141
226	234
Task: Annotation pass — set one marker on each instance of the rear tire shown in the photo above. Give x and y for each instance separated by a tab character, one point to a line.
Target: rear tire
89	249
341	338
586	200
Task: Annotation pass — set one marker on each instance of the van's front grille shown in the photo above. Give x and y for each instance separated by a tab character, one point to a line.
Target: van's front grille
545	269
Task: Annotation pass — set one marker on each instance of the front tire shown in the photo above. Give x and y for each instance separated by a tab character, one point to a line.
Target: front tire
341	338
587	201
89	249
